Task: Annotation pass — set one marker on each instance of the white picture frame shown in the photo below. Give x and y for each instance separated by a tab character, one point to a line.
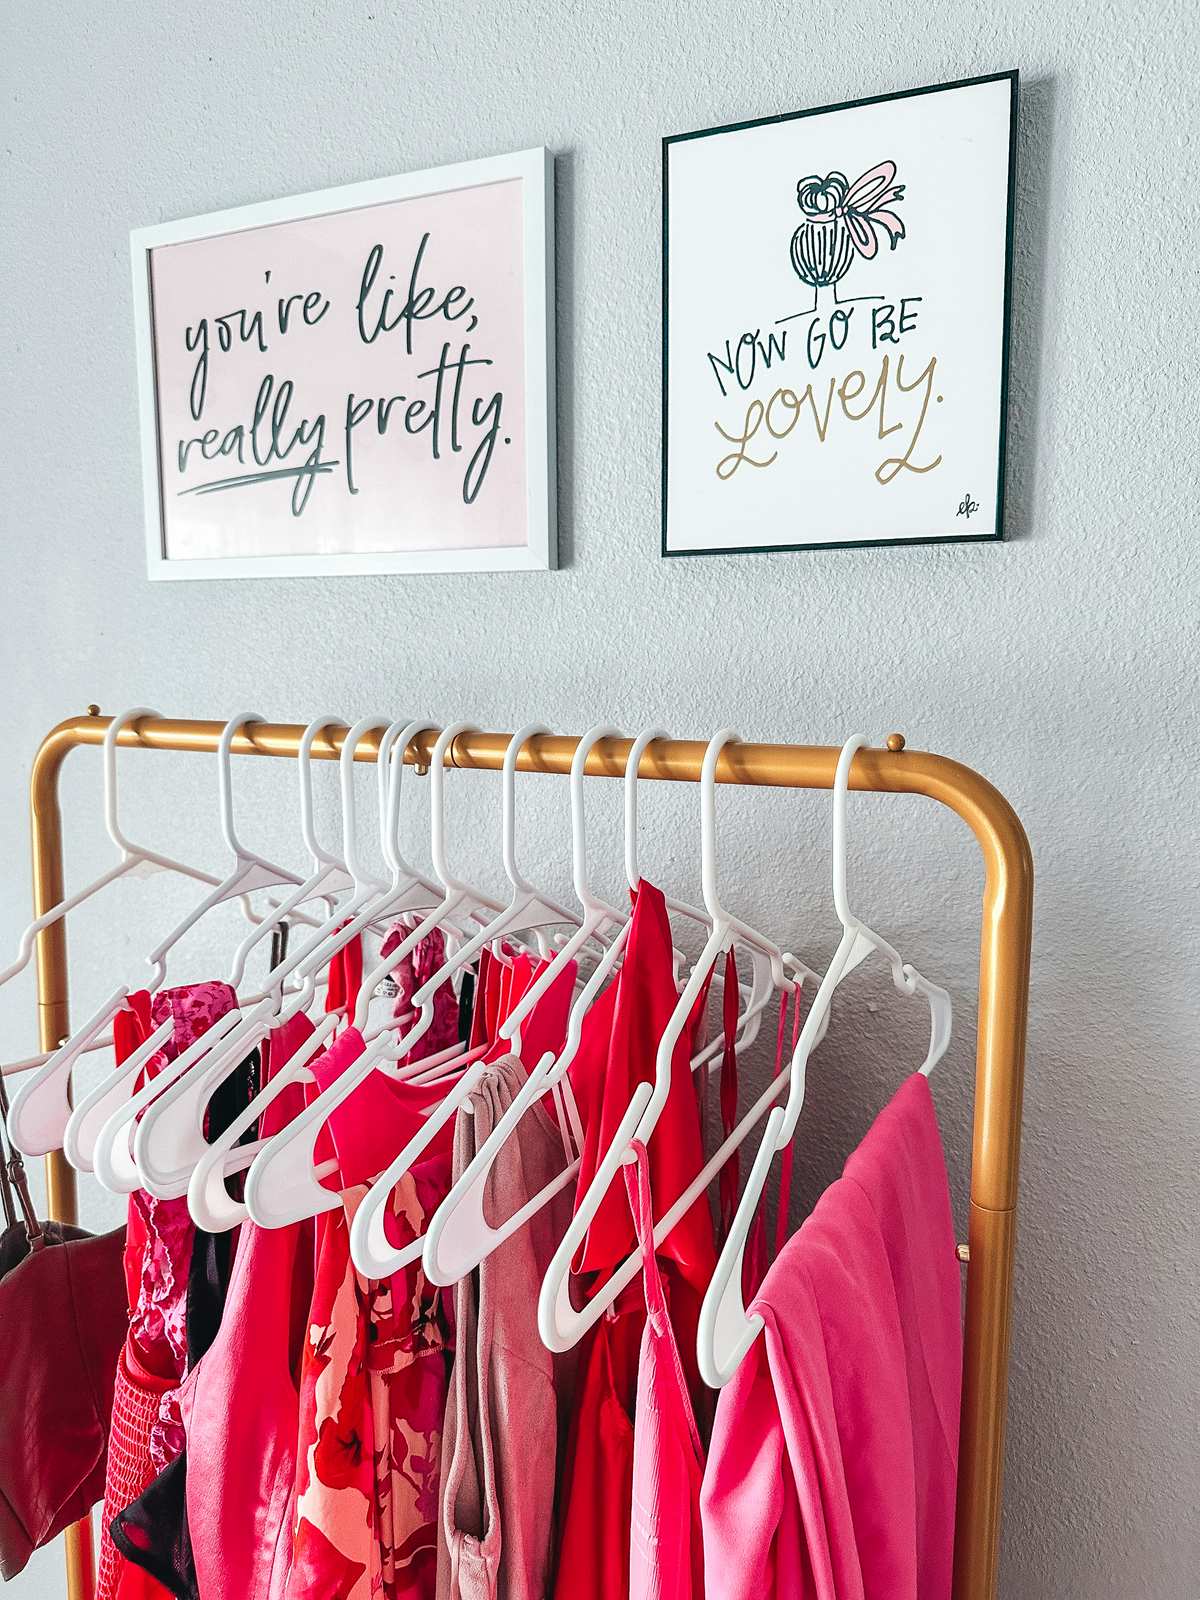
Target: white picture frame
860	249
519	535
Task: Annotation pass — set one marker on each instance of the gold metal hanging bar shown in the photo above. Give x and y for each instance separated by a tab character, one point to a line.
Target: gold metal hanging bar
1004	955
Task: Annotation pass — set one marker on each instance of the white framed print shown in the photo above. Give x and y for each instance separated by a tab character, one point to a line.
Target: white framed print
836	299
359	380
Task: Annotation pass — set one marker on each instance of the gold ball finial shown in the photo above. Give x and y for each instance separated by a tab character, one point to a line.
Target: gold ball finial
895	742
93	711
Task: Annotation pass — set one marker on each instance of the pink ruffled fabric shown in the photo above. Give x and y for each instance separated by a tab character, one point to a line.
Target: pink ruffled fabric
415	970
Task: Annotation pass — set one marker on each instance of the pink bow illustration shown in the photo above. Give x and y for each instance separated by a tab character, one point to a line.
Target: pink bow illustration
861	205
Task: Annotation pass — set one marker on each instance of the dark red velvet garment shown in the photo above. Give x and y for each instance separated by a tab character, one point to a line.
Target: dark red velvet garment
62	1325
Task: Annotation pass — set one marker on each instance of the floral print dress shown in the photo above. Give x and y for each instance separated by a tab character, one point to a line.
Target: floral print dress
374	1377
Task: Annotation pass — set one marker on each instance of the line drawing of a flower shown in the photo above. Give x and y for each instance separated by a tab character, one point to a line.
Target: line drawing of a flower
843	220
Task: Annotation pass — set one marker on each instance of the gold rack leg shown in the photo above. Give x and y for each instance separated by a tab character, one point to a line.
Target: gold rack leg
51	955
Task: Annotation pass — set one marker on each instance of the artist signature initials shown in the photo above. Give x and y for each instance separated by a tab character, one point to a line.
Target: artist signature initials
966	506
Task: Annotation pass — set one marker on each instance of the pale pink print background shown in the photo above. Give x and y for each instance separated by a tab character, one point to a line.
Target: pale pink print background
406	500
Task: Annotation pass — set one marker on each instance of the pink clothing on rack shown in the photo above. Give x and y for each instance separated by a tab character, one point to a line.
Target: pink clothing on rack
241	1412
240	1404
831	1472
414	971
375	1364
146	1431
510	1397
666	1551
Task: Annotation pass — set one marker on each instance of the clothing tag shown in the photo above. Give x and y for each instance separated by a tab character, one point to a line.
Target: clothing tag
381	1009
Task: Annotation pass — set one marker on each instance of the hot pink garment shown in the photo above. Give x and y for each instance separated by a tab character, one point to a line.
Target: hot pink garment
241	1412
831	1473
666	1553
240	1404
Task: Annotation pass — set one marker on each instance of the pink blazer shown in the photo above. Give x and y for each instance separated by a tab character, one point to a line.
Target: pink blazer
831	1474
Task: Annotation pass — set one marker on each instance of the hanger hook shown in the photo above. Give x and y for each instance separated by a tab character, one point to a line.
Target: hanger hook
304	767
110	774
841	786
578	828
437	799
225	779
708	822
354	737
402	735
640	745
383	785
508	804
841	900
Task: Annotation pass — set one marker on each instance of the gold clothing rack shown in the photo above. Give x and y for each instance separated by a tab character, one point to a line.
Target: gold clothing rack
1004	956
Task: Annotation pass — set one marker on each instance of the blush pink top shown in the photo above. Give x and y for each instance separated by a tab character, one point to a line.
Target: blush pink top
666	1554
831	1473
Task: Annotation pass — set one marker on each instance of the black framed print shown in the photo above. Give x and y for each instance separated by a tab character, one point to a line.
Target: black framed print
836	298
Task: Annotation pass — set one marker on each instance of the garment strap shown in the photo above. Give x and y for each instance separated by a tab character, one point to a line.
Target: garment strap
14	1184
728	1189
7	1204
788	1155
637	1187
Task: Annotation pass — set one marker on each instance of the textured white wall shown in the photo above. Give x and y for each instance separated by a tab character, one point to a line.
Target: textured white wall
1062	663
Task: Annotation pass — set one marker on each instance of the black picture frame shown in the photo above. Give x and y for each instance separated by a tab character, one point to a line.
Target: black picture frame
1012	77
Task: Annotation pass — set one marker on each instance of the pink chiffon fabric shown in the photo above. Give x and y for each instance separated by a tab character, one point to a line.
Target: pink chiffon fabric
831	1471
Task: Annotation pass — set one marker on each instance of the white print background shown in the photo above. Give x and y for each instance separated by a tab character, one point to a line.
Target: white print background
406	500
732	213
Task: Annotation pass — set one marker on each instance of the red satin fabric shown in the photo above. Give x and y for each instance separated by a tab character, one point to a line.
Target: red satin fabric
644	996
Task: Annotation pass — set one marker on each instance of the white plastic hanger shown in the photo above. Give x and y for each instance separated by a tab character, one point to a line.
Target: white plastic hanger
599	917
133	857
560	1324
211	1205
47	1096
283	1184
407	892
98	1133
372	904
459	1234
101	1127
330	876
41	1108
528	908
250	871
208	1197
98	1136
725	1331
169	1138
761	988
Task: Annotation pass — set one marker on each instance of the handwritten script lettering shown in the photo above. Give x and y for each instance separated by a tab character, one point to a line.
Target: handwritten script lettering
446	406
